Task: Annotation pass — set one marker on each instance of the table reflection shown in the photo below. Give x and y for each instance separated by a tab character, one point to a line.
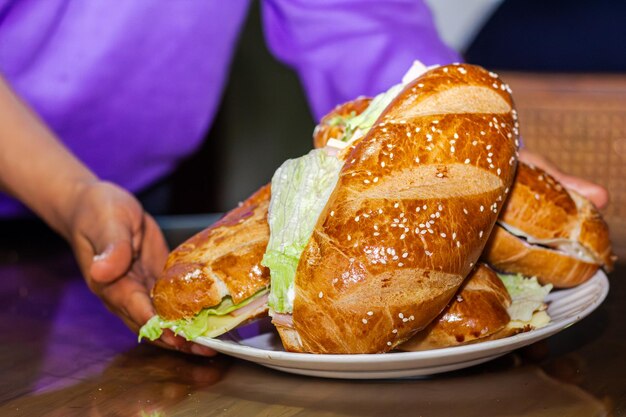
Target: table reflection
65	355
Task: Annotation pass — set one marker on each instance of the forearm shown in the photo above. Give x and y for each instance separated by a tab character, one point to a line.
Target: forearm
34	166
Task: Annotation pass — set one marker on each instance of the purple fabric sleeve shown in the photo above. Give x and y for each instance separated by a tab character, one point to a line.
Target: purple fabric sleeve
345	48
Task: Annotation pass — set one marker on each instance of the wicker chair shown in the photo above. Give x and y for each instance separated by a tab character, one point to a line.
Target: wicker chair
579	122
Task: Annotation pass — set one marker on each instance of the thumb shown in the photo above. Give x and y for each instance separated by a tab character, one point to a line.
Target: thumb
113	254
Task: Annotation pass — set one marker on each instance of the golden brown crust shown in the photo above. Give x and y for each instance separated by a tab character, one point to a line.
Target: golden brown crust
412	210
594	232
510	254
329	128
539	205
554	217
224	258
477	312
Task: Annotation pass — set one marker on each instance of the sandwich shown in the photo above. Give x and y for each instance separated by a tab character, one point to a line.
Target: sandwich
214	281
369	241
364	241
549	232
488	306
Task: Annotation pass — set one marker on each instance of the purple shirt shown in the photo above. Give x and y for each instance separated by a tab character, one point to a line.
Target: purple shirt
132	86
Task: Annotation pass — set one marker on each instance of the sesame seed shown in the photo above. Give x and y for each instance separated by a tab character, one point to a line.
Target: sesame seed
488	147
453	235
388	343
375	179
499	171
424	206
376	233
474	143
405	254
332	213
401	315
417	159
357	218
456	136
452	149
394	331
402	236
428	253
396	205
364	321
458	244
400	264
366	181
382	164
321	294
442	234
370	313
480	234
465	211
537	197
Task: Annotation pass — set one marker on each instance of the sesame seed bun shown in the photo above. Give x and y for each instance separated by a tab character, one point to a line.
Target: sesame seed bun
222	260
415	202
478	312
549	232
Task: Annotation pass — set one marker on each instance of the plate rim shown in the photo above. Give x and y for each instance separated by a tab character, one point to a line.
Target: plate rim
279	358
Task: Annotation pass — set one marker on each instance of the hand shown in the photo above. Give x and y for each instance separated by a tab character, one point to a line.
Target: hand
597	194
121	250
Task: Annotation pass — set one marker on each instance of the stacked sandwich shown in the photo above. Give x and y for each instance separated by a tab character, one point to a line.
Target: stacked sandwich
371	242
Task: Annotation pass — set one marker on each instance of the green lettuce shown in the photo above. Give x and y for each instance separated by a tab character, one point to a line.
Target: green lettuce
300	189
210	322
527	295
364	121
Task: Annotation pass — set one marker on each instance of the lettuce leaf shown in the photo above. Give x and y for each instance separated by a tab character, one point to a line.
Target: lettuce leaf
359	125
527	295
300	189
210	322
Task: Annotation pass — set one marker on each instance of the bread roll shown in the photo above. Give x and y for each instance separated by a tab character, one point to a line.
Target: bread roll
549	232
332	125
411	212
478	312
223	260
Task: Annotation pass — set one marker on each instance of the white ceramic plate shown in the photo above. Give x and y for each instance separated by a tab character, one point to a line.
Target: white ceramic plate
259	342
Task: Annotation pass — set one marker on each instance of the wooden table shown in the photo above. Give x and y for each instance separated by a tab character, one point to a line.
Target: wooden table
63	354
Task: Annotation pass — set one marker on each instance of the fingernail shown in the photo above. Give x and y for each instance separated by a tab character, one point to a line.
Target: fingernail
104	254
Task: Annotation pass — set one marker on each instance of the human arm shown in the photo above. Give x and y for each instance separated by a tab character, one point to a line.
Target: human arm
119	247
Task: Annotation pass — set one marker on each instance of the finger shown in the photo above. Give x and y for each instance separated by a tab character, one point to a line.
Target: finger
597	194
155	250
181	344
113	261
